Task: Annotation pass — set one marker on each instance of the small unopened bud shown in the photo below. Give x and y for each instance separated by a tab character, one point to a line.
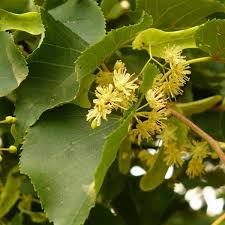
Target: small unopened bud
10	119
1	158
12	149
118	65
94	124
125	5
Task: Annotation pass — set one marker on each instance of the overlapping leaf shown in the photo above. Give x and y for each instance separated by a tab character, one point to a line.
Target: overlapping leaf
49	4
155	175
13	68
156	40
16	6
29	22
213	123
211	38
66	169
173	14
82	17
149	74
96	54
51	78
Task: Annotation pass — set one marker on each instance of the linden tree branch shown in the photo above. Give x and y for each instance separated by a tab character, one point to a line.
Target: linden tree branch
212	142
219	220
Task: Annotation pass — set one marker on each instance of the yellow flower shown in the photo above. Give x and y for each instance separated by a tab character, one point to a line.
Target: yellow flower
173	155
123	81
147	158
108	94
172	85
127	101
100	111
199	150
155	99
172	82
150	127
173	55
104	78
118	94
195	168
169	134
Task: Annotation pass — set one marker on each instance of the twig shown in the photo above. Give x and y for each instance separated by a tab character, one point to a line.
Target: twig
219	220
212	142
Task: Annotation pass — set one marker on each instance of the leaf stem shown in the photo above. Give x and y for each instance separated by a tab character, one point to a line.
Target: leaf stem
4	149
219	220
202	59
143	106
105	67
144	67
212	142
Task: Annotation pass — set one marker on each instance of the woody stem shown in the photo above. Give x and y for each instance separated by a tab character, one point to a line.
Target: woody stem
212	142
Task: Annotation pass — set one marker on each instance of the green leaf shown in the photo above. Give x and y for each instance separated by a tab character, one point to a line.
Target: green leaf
82	95
17	220
155	175
212	122
100	215
112	9
29	22
156	40
83	17
115	39
10	193
51	79
185	216
208	78
149	74
51	4
173	14
113	185
16	6
199	106
211	38
181	131
13	68
125	156
38	217
107	6
134	60
153	206
68	161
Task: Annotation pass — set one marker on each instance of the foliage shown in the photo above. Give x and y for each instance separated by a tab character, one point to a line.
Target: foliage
91	90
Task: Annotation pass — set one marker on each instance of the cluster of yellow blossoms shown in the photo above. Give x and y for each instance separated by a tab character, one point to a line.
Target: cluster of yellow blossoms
172	82
199	151
116	92
172	150
165	87
176	151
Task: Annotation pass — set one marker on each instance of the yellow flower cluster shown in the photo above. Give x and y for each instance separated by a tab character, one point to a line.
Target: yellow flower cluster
155	99
150	126
173	153
199	151
104	78
165	86
146	158
116	93
175	78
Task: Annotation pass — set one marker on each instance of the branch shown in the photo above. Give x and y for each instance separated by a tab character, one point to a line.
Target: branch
219	220
212	142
